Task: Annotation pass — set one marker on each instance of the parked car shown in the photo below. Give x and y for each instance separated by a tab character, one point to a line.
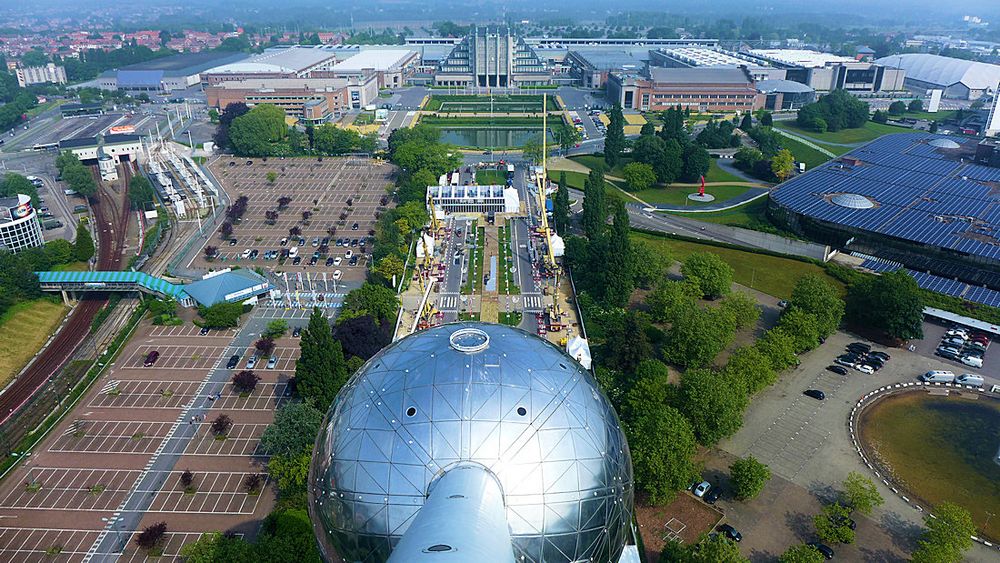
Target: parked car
329	261
713	495
284	241
337	261
970	379
822	548
348	254
701	488
203	331
815	394
150	358
337	274
234	361
938	376
252	362
297	331
272	361
859	346
880	355
730	532
973	361
845	361
837	369
864	368
297	260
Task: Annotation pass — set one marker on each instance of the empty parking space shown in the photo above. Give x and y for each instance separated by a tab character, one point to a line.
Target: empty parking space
108	436
199	358
214	493
242	440
190	330
44	544
48	488
792	438
143	394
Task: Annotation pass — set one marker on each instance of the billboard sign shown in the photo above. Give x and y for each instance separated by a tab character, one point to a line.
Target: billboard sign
122	129
21	211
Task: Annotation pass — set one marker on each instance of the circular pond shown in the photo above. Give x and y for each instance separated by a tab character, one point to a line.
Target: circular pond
939	448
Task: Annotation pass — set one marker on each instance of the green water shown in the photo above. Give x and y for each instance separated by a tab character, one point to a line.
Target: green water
497	138
941	449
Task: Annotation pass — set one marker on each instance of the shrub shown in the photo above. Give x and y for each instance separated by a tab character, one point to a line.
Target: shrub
245	381
151	537
221	425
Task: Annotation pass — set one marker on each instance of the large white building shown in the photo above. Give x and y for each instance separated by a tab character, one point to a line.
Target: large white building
960	79
486	200
288	62
19	227
824	72
391	66
48	74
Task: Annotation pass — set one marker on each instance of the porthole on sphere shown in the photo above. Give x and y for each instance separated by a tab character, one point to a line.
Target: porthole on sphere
410	411
439	548
457	496
522	411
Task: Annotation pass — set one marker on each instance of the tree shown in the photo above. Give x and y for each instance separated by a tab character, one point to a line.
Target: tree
710	274
711	548
697	335
140	192
696	163
662	445
783	164
749	366
320	371
860	493
670	298
802	553
264	346
283	202
834	524
802	327
83	247
362	337
13	184
618	277
290	472
214	547
747	122
532	149
648	265
390	267
614	139
245	381
276	328
835	111
253	483
221	425
748	476
152	536
766	119
714	407
880	116
560	206
333	140
295	231
293	431
647	129
271	176
211	252
816	296
897	108
948	534
638	176
778	347
595	210
221	315
934	127
626	344
371	299
256	132
226	230
270	216
741	308
891	302
663	156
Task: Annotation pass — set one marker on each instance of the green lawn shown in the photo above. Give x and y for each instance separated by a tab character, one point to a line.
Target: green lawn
679	196
491	177
507	285
24	328
769	274
939	116
868	132
593	161
809	155
364	118
717	174
71	267
576	179
470	103
499	121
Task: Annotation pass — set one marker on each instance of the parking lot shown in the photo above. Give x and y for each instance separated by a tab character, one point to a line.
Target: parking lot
113	465
332	203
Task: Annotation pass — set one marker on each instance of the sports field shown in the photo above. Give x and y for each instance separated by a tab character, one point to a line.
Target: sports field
23	330
517	103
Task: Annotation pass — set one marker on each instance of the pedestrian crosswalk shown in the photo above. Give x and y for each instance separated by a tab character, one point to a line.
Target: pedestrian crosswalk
448	302
532	302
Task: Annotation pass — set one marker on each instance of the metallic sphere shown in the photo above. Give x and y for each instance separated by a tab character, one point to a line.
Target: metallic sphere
473	394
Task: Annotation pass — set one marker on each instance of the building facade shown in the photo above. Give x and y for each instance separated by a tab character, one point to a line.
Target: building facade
492	58
485	200
19	226
288	62
116	147
48	74
700	89
824	72
313	100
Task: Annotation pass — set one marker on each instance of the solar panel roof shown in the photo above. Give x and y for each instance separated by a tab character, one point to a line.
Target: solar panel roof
925	194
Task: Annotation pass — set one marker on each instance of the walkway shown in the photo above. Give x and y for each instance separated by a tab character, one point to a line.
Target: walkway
746	197
811	144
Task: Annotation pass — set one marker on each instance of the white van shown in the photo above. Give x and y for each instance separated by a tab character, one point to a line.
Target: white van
938	376
970	379
293	252
974	361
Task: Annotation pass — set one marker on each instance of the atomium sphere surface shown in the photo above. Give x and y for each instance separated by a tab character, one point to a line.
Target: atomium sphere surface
476	393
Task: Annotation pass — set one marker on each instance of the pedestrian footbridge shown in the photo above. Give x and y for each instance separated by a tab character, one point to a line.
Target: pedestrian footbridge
224	286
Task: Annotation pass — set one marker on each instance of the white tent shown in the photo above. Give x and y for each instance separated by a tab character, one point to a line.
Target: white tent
428	242
579	349
558	246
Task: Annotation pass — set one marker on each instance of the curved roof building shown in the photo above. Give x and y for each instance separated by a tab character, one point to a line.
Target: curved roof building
958	78
474	441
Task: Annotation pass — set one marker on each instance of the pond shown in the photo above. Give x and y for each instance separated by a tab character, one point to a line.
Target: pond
940	449
495	137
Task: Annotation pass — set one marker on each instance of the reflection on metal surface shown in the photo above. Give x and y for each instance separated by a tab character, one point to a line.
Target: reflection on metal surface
515	406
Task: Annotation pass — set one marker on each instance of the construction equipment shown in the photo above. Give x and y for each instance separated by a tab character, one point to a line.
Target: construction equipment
542	181
436	225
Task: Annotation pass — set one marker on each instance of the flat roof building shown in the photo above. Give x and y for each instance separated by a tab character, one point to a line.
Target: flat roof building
824	72
176	72
392	67
287	62
313	100
702	57
117	147
785	94
48	74
486	200
590	67
700	89
960	79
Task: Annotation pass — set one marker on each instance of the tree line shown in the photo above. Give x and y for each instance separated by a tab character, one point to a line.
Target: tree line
666	155
262	131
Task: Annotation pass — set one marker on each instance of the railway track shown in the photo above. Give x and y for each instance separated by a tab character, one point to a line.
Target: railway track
111	218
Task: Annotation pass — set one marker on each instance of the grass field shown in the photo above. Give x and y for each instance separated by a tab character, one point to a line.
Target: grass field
576	180
717	174
364	118
926	442
868	132
500	121
518	103
771	274
71	267
593	161
488	177
679	196
23	330
809	155
939	116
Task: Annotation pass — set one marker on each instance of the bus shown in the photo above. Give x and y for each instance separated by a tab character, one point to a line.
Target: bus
45	146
